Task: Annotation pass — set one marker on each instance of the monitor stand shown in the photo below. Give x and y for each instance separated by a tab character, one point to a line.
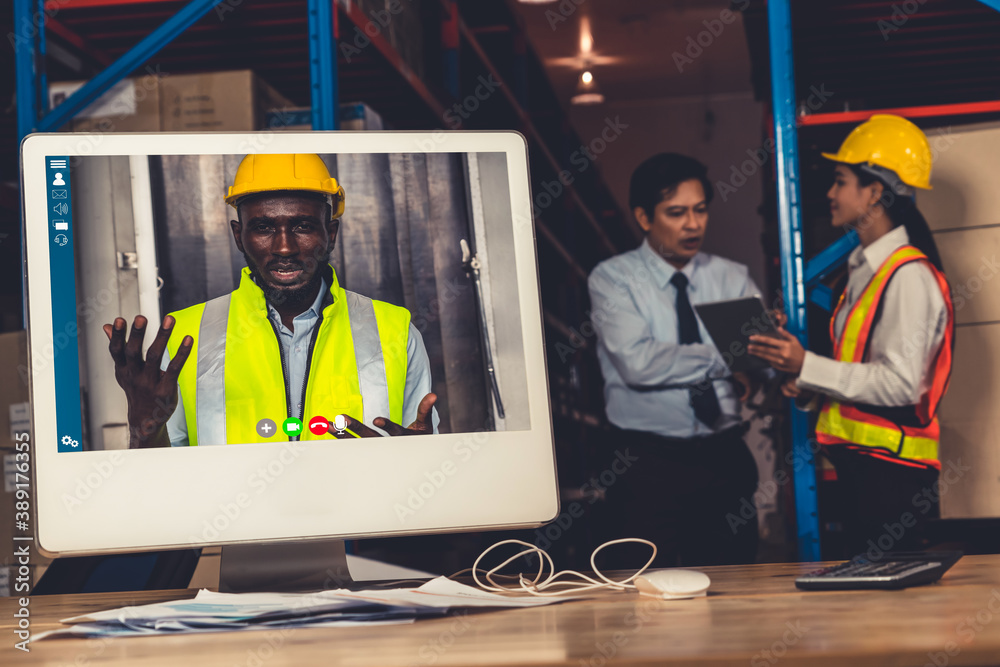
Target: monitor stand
307	565
284	566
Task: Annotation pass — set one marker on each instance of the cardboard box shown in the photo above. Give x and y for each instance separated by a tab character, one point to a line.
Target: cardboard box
406	34
12	582
234	101
8	507
9	561
291	119
215	101
359	116
13	386
14	418
399	23
132	105
353	116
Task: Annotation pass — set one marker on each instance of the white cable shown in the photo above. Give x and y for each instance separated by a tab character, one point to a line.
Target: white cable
538	585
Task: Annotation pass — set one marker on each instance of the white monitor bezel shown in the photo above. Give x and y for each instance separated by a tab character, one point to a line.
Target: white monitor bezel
139	500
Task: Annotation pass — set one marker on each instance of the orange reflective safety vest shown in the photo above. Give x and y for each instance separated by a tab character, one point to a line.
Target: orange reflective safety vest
901	434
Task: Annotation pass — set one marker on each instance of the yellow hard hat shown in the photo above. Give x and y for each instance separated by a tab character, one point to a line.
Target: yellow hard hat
888	142
298	172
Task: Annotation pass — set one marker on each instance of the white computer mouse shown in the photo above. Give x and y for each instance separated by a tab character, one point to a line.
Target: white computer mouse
673	584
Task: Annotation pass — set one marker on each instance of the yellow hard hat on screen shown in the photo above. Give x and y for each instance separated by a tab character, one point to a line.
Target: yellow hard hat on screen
889	142
302	172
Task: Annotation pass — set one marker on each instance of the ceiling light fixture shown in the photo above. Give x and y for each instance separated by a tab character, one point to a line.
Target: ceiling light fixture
587	91
586	37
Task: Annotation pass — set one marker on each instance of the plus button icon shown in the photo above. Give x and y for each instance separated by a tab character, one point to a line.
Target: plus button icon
266	428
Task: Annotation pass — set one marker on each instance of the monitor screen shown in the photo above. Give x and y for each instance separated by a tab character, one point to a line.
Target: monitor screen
326	299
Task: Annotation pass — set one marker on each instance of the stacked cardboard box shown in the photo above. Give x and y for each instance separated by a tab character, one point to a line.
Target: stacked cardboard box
14	419
353	116
132	105
407	33
219	102
399	22
235	101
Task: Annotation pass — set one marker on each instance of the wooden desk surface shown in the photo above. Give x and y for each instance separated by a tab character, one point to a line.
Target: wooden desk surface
754	615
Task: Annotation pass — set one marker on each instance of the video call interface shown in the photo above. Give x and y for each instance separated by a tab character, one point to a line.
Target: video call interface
424	249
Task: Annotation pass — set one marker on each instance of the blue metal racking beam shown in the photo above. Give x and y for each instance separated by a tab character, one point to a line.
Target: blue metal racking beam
795	280
127	63
830	258
25	38
779	21
323	65
32	88
822	296
42	94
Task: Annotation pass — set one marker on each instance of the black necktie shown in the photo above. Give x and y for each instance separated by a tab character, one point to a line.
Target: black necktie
703	398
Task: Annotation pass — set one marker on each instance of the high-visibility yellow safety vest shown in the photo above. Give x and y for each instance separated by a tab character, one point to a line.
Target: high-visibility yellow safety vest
887	433
234	376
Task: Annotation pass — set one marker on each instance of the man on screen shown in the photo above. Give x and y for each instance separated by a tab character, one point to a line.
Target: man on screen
289	342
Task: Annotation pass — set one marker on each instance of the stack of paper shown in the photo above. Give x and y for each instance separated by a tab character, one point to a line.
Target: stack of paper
215	612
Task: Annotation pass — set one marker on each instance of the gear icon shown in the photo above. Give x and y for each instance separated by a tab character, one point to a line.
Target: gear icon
70	442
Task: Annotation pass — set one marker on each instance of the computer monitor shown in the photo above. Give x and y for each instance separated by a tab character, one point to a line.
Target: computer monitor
118	225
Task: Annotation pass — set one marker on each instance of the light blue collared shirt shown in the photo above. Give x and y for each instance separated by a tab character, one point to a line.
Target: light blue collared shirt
295	347
634	314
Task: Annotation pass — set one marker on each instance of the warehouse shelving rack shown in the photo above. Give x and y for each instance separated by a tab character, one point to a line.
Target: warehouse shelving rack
469	39
801	278
581	228
324	18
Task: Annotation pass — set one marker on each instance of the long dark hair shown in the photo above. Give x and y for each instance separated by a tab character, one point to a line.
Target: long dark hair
902	211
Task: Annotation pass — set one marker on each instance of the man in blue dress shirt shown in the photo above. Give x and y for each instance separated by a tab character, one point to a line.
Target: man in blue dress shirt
670	397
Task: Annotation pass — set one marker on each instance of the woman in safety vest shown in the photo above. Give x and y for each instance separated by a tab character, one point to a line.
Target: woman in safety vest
892	335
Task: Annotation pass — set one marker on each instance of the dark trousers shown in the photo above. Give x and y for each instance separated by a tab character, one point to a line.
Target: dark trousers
692	497
886	505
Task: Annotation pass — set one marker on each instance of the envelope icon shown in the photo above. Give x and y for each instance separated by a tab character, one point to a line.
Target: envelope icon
59	194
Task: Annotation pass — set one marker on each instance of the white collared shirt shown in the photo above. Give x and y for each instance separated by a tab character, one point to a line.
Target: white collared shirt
634	314
903	343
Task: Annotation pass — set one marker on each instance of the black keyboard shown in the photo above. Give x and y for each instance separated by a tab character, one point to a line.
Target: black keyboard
900	569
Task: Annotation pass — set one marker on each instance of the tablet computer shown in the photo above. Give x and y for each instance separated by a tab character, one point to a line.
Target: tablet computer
730	323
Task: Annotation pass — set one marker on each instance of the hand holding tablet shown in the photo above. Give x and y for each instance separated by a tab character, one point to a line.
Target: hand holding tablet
734	325
785	353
